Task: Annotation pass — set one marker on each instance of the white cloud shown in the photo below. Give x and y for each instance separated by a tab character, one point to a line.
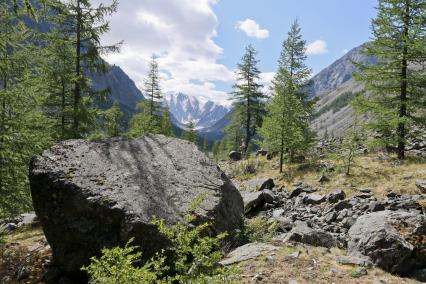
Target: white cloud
181	34
317	47
266	80
252	29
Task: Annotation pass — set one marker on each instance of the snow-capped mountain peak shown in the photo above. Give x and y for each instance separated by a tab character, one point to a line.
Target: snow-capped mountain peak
204	113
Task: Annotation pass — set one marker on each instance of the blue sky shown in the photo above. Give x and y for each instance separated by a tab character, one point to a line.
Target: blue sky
199	42
342	24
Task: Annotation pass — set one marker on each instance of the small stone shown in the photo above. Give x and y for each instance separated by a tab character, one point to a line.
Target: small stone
354	261
268	196
235	156
335	196
421	184
343	204
270	259
291	256
323	179
376	206
313	198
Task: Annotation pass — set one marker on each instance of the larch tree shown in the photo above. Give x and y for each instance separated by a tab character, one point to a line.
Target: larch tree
24	129
112	120
86	25
154	96
396	84
248	97
166	123
286	127
190	134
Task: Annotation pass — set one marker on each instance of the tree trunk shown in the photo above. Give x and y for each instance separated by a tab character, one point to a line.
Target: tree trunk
63	110
77	87
281	155
403	94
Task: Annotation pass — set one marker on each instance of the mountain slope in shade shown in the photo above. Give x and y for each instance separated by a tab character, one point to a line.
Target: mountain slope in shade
185	108
123	89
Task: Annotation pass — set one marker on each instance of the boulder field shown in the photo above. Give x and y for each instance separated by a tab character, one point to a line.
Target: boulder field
89	195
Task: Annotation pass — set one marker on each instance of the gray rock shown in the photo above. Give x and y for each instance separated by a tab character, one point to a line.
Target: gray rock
421	184
419	275
393	240
314	198
253	201
323	179
343	204
91	195
261	152
248	251
335	196
353	260
235	156
277	213
301	188
376	206
269	196
302	233
258	184
29	218
8	228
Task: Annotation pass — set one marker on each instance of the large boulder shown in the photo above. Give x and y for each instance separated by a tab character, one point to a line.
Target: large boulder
393	240
91	195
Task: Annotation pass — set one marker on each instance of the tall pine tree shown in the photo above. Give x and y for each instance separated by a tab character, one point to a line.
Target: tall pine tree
154	96
248	97
86	25
24	129
286	128
397	82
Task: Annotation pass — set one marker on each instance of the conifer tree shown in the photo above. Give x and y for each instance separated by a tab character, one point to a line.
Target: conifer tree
205	145
57	69
397	82
86	24
153	92
234	131
247	96
24	129
112	118
190	134
140	123
166	123
286	128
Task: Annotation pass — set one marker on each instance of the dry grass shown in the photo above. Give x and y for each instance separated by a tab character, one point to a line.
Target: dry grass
367	172
314	265
24	250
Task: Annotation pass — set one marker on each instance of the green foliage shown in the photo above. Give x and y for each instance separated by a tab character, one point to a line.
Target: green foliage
206	145
286	127
248	100
258	229
192	257
351	142
24	128
396	83
166	124
336	104
190	134
118	265
112	118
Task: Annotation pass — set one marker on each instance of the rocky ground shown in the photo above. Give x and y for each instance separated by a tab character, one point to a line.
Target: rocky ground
328	227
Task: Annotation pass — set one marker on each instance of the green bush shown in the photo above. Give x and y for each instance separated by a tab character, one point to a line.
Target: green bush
258	229
192	257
